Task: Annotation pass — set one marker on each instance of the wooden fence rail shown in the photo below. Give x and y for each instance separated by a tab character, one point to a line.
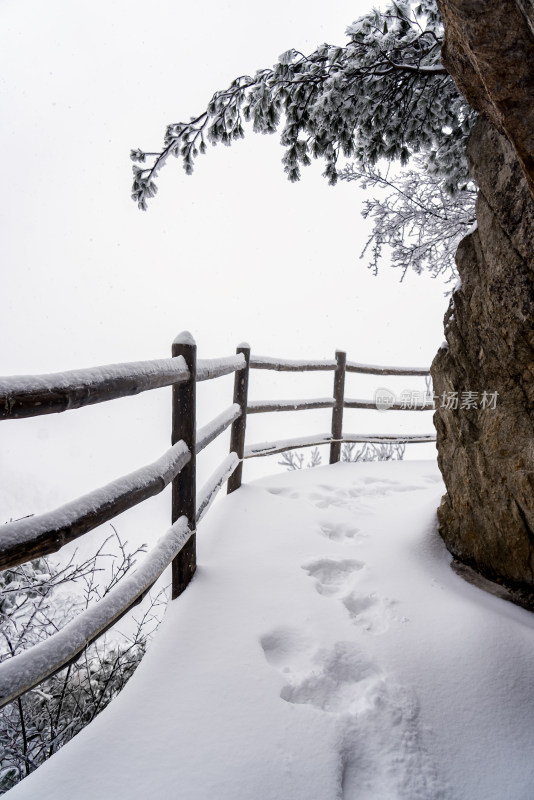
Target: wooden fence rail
33	537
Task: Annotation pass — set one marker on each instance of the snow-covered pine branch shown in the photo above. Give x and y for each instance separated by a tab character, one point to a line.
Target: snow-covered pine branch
384	95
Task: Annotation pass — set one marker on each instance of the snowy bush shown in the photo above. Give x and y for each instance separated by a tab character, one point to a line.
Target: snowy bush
349	452
372	452
37	599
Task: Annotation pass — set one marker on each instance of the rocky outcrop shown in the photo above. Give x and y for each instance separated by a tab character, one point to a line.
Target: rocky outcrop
486	454
489	51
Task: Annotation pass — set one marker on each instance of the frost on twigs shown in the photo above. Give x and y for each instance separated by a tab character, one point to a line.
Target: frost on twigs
293	460
415	219
37	599
384	95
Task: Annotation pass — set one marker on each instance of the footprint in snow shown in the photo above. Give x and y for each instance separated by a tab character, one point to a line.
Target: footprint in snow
382	752
370	612
332	576
387	481
341	531
340	681
325	497
379	745
287	648
282	492
335	680
352	498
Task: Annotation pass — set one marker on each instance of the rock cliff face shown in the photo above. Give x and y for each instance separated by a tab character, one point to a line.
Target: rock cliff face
489	51
486	455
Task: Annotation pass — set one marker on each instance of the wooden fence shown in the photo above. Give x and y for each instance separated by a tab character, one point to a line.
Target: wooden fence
32	537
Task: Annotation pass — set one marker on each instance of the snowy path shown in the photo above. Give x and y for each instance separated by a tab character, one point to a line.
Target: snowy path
324	651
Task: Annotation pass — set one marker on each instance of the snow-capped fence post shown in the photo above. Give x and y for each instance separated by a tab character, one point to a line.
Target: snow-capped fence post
184	485
237	435
337	411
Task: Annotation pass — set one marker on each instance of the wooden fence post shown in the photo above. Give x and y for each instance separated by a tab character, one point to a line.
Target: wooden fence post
337	411
237	435
184	484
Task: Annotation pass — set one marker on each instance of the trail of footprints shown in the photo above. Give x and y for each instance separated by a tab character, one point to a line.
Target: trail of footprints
325	496
379	748
336	577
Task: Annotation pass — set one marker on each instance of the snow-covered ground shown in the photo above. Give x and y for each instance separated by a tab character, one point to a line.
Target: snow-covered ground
324	651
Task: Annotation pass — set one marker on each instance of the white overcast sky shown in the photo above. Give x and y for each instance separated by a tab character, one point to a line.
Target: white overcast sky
233	253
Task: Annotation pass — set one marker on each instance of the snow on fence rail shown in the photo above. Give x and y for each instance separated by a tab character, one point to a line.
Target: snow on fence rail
31	667
373	369
38	536
271	448
426	405
32	395
261	406
287	365
25	396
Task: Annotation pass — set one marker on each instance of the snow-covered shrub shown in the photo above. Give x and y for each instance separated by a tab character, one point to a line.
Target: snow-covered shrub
38	598
349	452
295	460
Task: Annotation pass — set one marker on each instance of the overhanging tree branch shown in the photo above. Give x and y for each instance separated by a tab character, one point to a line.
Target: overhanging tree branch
383	95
